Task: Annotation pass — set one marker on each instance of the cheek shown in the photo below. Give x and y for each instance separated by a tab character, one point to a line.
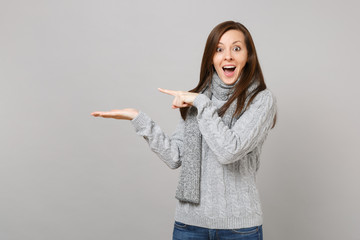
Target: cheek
216	61
243	61
242	65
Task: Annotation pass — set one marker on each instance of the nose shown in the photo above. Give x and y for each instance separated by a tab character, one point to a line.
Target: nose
228	55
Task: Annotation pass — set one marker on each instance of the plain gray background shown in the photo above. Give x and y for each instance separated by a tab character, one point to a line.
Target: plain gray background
67	175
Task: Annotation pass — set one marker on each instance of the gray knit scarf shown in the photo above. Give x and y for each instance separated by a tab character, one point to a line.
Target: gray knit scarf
188	189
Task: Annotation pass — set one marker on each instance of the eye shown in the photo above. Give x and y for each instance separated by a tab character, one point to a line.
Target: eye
236	49
219	49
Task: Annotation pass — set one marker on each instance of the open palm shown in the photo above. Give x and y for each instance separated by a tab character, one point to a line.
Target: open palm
126	114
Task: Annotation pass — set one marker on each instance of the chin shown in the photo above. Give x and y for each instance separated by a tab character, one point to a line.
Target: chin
228	81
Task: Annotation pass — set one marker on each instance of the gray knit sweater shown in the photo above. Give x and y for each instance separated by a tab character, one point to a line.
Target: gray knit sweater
230	159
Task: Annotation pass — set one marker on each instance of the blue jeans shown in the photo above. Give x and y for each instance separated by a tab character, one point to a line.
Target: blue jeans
188	232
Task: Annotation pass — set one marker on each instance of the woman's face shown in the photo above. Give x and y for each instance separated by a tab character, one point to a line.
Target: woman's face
230	56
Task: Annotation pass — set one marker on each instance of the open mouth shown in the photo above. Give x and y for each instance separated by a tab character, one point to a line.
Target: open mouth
229	70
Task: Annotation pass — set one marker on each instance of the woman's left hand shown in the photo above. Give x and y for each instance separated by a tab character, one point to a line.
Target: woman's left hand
181	99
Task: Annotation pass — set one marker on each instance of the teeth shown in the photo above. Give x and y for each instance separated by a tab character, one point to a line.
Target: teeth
228	67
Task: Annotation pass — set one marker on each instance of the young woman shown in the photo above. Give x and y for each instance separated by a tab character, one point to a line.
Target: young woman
225	120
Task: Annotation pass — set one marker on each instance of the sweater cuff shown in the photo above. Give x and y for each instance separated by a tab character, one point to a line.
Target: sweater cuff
201	101
141	121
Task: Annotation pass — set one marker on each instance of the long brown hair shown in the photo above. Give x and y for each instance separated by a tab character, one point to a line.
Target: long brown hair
251	73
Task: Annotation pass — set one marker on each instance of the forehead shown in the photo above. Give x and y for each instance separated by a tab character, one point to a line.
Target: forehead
231	36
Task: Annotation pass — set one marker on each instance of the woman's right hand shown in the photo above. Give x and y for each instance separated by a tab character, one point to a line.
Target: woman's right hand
126	113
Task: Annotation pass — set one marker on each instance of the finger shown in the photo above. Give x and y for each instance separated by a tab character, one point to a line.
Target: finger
182	106
174	102
96	114
107	115
167	91
110	114
102	114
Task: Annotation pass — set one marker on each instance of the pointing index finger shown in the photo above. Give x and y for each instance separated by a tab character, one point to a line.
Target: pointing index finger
170	92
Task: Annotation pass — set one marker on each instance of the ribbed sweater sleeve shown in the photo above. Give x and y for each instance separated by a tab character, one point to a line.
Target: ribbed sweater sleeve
169	149
232	144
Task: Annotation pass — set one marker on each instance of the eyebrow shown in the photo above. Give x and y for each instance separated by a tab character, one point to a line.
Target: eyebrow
232	43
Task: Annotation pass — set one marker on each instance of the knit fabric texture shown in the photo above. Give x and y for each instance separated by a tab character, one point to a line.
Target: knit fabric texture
229	198
188	189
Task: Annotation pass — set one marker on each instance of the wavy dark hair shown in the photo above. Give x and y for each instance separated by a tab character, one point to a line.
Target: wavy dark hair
251	73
